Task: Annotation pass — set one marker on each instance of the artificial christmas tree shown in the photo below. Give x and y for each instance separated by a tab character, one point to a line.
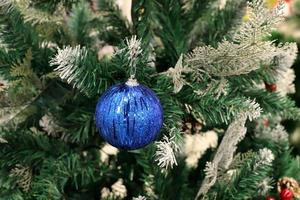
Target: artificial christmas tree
222	135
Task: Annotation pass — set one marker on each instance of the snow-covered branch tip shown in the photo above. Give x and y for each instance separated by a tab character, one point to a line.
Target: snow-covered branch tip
139	198
133	50
224	155
165	153
276	134
265	186
253	111
134	47
265	157
118	189
177	74
260	22
67	60
245	51
6	5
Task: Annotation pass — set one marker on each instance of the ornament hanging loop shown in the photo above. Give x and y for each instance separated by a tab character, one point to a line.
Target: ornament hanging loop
134	51
132	81
132	72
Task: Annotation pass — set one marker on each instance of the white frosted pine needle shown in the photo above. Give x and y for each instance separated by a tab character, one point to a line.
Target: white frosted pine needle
253	111
7	5
119	189
211	170
165	153
148	187
176	74
286	55
48	124
134	48
139	198
2	140
264	186
66	60
285	84
245	52
277	133
188	4
224	155
105	193
106	151
265	157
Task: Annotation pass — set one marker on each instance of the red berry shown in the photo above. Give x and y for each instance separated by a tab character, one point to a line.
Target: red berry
271	87
270	198
286	194
266	123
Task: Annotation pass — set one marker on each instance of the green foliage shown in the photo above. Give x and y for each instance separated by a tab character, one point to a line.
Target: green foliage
17	35
112	26
79	22
211	27
49	55
275	103
86	70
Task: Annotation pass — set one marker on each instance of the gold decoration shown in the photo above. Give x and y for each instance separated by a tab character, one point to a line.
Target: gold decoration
289	183
271	3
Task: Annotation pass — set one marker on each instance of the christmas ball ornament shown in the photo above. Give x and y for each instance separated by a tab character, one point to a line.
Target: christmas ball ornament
286	194
290	184
270	198
129	115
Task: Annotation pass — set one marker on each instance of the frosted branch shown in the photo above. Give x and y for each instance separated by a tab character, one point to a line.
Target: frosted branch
134	47
139	198
224	155
49	125
265	186
67	60
252	112
133	50
7	5
225	152
165	153
246	50
118	189
177	75
286	55
277	133
266	157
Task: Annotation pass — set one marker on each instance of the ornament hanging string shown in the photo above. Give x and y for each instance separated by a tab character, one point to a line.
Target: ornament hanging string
132	66
134	50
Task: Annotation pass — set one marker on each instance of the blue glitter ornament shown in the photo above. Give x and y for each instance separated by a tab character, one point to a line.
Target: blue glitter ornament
129	115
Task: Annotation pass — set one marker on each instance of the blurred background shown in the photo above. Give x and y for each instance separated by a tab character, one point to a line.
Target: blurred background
290	31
